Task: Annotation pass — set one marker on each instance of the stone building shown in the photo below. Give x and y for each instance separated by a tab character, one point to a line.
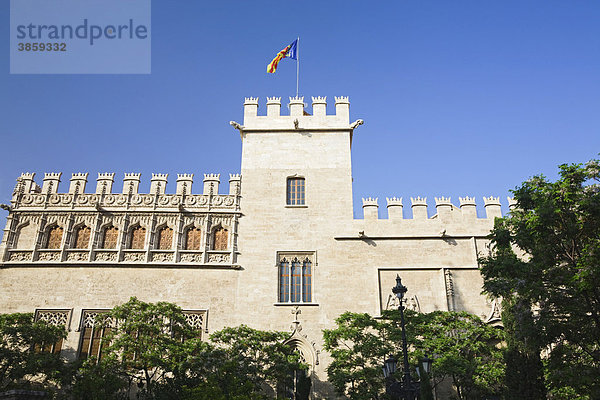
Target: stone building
278	249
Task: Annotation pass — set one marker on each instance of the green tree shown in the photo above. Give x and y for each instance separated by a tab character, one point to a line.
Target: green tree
150	345
23	364
465	347
546	258
358	348
98	380
251	358
466	351
154	354
524	370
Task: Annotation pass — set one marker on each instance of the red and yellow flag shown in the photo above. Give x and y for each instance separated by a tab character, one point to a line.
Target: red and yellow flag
290	51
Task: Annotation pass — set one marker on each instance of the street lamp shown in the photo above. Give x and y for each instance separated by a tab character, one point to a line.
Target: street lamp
407	389
425	364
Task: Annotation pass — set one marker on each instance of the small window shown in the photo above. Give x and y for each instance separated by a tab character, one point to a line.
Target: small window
284	281
220	237
82	237
138	237
195	319
110	238
193	238
92	342
54	238
306	281
93	335
295	279
51	317
295	192
165	239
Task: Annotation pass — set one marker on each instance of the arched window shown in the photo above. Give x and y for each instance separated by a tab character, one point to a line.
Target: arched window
82	237
165	238
54	238
295	192
306	281
26	236
138	236
296	285
295	279
220	239
193	238
284	281
110	238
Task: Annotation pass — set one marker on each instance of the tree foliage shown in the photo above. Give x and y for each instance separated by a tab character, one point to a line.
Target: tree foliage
465	349
546	258
23	363
154	354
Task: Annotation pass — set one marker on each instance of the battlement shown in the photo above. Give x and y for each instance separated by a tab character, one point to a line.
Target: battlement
394	201
512	203
370	207
299	118
28	192
78	182
445	210
27	175
467	201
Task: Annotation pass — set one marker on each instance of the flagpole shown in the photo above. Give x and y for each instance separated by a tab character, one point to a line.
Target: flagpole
297	64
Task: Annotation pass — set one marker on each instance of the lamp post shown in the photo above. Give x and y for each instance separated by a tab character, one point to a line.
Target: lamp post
407	389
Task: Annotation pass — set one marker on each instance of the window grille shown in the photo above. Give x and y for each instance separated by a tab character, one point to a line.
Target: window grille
111	235
220	237
82	237
54	239
138	236
193	239
165	238
295	191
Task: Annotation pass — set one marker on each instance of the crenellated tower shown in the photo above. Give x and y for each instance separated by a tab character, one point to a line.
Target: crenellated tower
303	147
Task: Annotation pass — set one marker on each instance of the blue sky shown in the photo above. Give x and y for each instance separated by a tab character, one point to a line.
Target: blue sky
459	98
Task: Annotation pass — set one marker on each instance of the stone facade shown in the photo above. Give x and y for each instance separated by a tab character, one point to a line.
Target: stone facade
280	251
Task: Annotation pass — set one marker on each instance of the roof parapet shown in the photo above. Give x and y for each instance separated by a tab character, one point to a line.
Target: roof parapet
273	120
370	208
78	182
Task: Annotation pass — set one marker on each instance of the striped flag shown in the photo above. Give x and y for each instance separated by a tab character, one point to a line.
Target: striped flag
290	51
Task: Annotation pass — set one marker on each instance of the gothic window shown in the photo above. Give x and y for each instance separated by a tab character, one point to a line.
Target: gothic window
284	281
110	238
165	238
26	236
306	281
54	238
93	335
220	239
195	319
193	238
82	237
295	279
295	191
296	272
138	236
51	317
